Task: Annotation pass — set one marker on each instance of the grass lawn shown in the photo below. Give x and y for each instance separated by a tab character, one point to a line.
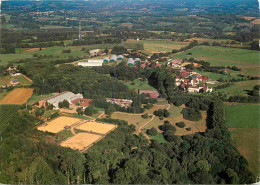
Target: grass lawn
35	98
216	76
5	80
63	135
176	116
221	56
239	88
164	45
49	112
159	137
242	116
139	84
247	142
55	51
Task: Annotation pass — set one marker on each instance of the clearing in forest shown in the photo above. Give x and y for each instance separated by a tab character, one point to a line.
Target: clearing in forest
81	141
96	127
58	124
18	96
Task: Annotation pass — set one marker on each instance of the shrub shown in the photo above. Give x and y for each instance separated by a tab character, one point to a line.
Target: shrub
66	51
152	132
181	124
188	129
191	114
145	116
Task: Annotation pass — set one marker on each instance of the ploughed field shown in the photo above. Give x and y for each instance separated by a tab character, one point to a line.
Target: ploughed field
17	96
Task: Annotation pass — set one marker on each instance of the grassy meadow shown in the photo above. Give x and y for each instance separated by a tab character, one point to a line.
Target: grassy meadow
139	84
248	60
244	120
155	46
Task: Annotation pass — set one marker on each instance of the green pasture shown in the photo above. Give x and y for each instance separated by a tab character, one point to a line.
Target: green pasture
164	45
55	51
239	88
247	142
248	60
216	76
35	98
142	85
242	116
159	137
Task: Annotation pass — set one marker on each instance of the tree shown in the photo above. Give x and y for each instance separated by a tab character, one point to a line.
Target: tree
255	45
80	111
152	131
109	111
180	124
145	116
203	165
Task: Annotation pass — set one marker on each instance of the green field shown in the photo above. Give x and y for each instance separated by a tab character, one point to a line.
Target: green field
55	51
159	137
160	45
6	113
35	98
221	56
247	142
242	116
142	85
216	76
239	88
244	120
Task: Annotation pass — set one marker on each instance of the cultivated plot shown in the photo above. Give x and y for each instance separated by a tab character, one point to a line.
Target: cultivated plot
100	128
58	124
81	141
18	96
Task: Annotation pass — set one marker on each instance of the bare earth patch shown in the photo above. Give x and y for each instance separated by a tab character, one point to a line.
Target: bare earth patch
18	96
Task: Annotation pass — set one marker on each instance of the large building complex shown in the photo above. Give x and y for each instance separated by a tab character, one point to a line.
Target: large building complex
54	100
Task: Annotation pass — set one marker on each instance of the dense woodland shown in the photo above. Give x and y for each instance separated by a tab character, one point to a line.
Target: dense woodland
122	157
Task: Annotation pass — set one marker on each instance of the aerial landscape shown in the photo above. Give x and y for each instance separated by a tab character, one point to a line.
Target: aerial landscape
129	92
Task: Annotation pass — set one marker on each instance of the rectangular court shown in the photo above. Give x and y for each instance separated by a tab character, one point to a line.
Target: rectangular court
58	124
96	127
81	141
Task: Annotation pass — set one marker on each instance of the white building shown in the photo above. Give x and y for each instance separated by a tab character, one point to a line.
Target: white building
91	63
94	51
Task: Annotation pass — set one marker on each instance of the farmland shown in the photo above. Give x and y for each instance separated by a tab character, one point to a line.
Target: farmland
154	46
55	51
95	127
81	141
221	56
5	80
244	123
18	96
239	88
6	113
139	84
58	124
242	116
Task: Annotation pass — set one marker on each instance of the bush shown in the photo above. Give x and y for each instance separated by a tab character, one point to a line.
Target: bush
167	126
152	132
191	114
145	116
162	113
180	124
188	129
66	51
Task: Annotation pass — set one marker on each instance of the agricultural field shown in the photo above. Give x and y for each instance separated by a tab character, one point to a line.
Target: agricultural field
139	84
243	121
247	142
245	59
95	127
239	88
5	80
155	46
81	141
35	98
55	51
18	96
58	124
242	116
216	76
6	113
